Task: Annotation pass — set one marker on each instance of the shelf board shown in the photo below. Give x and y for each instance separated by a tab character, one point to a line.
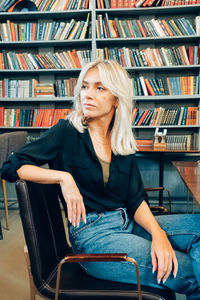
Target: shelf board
166	97
145	40
167	126
162	10
24	127
38	99
40	71
55	43
35	15
166	68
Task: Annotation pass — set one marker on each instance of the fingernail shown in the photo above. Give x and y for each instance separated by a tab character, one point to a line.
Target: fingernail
74	224
158	281
77	225
85	221
164	280
70	220
153	270
175	275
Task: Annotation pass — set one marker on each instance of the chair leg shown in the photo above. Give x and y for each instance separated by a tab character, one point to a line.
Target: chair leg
5	203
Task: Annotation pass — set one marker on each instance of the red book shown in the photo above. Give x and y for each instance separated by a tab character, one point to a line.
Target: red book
113	3
142	117
133	114
2	116
191	55
149	87
141	28
130	28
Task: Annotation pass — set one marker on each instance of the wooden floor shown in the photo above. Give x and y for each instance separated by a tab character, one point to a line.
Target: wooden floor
14	284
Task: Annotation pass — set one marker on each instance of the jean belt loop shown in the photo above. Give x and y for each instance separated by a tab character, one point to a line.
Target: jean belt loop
125	215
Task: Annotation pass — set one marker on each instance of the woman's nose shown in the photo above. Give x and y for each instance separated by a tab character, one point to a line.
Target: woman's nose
90	91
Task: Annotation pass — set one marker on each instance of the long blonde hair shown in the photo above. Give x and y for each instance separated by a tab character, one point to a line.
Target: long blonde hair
116	79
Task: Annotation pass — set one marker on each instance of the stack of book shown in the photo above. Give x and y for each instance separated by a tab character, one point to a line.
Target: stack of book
182	142
44	89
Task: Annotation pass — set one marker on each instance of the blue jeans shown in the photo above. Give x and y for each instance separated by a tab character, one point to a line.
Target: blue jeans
114	232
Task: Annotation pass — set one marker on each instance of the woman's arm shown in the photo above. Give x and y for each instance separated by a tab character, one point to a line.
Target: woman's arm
70	191
162	254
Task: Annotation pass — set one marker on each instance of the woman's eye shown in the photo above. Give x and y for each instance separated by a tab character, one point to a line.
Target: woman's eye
100	88
83	86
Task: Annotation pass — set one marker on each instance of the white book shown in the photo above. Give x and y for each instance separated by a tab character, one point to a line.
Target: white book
76	27
144	88
64	32
33	61
59	31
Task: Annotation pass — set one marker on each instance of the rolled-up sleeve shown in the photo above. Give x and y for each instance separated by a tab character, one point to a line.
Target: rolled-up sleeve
136	193
37	153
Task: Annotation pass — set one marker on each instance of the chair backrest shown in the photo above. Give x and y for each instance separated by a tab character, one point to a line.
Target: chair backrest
43	227
10	142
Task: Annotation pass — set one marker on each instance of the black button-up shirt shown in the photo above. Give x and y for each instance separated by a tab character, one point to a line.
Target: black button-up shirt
66	149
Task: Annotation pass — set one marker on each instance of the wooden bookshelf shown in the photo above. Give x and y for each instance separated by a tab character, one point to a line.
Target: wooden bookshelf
92	44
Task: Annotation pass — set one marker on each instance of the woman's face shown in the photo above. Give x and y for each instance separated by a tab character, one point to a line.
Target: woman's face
96	100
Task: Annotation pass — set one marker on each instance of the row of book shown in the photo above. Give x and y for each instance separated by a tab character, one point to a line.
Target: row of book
131	28
45	31
166	116
31	117
59	60
127	57
30	88
154	57
49	5
61	5
183	142
17	88
101	4
184	85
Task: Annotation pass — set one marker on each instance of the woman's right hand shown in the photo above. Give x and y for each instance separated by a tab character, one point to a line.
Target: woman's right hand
73	199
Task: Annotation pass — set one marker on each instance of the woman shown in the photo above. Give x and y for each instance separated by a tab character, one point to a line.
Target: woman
91	156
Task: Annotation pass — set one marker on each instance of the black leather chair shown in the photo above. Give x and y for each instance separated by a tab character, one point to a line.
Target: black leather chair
49	251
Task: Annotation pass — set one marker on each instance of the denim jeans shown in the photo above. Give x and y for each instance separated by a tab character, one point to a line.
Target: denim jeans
114	232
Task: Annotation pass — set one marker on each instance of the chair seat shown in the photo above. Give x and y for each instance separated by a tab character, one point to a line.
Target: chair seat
75	282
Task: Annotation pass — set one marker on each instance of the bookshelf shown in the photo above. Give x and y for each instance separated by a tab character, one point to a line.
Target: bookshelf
92	44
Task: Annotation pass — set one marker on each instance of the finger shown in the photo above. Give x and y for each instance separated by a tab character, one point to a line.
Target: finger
69	212
169	269
83	212
74	212
78	213
175	262
154	262
162	267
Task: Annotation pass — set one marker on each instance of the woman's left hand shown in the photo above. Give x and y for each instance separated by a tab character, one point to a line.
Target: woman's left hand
163	256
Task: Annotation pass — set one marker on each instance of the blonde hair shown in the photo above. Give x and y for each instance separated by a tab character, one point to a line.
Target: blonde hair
116	79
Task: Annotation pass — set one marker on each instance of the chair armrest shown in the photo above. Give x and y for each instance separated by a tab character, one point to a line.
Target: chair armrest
93	258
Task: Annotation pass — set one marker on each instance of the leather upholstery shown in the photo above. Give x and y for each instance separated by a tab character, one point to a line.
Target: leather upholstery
47	245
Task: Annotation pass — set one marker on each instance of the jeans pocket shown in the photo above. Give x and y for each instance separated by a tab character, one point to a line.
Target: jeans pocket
91	219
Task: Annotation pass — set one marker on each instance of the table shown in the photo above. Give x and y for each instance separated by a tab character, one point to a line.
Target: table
161	153
190	174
